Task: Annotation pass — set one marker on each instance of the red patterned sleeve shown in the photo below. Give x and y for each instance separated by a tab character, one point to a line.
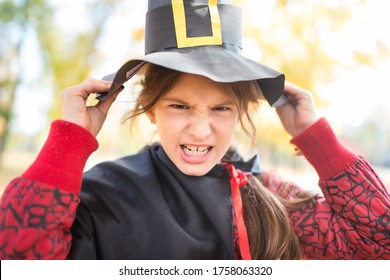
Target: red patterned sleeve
35	221
352	220
37	209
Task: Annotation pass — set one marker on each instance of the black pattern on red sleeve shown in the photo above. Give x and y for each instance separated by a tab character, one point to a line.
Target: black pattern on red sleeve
351	222
35	221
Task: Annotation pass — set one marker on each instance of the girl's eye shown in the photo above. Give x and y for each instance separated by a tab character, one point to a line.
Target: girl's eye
222	108
178	106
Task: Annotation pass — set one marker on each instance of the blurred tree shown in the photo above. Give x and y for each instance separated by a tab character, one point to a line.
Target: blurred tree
292	41
16	19
71	58
67	59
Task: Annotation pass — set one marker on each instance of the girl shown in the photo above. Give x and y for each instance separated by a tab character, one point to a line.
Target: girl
189	196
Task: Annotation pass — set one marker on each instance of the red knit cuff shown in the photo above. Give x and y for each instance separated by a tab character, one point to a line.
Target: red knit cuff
323	150
62	159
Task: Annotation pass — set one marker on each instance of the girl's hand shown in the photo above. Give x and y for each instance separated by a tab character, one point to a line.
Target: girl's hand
74	109
299	112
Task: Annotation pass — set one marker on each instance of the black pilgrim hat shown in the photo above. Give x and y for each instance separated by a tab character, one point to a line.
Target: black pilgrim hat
202	37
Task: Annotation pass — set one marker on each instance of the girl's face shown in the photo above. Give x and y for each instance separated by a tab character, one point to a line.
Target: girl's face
195	121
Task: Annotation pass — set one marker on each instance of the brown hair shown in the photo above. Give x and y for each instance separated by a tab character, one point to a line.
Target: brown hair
269	230
270	233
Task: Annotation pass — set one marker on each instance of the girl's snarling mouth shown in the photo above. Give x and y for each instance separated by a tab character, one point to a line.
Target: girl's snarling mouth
195	151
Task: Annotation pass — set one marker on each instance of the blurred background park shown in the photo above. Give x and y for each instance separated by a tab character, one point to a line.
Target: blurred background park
338	49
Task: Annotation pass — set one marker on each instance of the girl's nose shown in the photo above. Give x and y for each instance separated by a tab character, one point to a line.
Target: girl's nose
200	127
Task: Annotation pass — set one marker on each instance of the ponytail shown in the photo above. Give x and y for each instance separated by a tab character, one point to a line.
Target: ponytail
270	233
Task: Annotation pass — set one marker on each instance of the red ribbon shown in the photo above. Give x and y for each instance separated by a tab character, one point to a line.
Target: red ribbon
238	179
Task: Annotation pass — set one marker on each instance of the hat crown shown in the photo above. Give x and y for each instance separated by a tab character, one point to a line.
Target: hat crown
176	24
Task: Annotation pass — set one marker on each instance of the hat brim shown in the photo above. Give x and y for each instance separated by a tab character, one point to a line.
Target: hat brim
213	62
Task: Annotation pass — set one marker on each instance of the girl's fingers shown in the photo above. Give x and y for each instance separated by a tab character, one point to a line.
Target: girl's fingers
73	103
94	86
87	87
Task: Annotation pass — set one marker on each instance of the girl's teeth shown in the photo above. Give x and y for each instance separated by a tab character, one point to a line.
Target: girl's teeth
195	151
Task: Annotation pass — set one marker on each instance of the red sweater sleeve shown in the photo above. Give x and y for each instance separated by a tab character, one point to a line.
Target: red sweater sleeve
62	158
352	220
37	209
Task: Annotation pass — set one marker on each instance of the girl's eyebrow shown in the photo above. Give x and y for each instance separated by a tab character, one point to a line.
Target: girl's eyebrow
175	99
181	101
226	103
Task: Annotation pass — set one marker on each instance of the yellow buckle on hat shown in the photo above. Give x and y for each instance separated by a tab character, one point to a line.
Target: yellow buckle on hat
181	30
